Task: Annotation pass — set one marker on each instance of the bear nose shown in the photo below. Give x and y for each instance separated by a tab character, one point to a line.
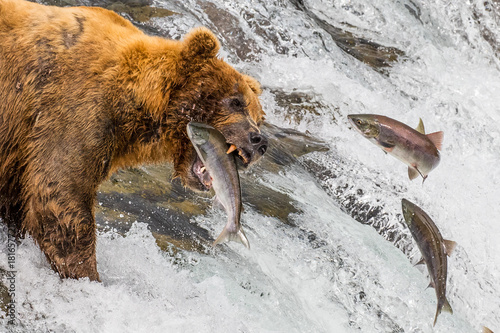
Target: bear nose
259	142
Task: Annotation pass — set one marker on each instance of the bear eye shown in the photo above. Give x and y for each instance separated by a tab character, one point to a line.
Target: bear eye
236	102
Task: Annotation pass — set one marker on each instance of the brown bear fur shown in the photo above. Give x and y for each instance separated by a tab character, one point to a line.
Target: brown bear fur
84	93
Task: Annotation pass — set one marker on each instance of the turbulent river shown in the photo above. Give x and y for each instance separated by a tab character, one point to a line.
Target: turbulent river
322	211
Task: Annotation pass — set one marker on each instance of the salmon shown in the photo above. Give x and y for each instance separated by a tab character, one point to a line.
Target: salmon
416	149
434	250
220	164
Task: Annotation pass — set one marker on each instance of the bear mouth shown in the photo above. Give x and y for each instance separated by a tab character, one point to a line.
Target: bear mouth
201	172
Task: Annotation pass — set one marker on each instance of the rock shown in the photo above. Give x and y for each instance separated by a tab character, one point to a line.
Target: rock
371	53
229	29
4	294
139	13
298	104
137	10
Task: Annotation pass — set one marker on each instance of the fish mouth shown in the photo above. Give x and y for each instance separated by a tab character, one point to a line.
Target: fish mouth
202	173
365	126
356	126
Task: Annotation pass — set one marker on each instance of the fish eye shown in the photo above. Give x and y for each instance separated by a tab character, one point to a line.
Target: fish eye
359	122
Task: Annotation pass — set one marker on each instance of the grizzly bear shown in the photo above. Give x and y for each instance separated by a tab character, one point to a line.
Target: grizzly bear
84	93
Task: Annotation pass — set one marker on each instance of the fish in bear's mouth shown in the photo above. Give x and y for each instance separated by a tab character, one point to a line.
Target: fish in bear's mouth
204	176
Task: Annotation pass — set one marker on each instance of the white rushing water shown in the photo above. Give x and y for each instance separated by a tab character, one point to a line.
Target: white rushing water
330	273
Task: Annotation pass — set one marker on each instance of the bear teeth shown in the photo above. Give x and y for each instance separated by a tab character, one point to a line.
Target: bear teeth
243	156
231	149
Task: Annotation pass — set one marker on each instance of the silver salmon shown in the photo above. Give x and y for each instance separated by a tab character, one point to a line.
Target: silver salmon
212	150
418	150
434	250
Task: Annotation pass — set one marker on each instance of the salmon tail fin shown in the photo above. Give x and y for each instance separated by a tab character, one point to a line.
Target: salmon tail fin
446	307
420	128
486	330
449	246
412	173
437	139
242	238
226	236
438	311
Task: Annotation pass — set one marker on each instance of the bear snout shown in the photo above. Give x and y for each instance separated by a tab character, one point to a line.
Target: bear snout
259	142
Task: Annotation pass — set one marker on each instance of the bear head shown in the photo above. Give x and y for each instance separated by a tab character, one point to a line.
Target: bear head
215	93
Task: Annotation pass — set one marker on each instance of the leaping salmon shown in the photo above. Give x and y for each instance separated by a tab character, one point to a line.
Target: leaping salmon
418	150
434	250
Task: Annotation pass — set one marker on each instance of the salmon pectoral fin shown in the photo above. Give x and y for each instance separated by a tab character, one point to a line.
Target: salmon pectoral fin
387	146
437	139
449	246
412	173
420	262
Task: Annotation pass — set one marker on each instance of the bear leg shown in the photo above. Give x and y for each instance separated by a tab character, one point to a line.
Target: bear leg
63	225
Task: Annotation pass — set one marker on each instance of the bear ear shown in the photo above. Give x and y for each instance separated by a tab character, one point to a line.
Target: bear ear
253	84
200	43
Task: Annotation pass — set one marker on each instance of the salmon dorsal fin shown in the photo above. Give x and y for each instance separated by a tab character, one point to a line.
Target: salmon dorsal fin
449	246
420	128
436	138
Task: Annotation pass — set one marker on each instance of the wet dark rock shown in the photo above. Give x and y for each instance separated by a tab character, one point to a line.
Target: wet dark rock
137	10
229	28
369	52
4	295
141	13
286	145
147	195
414	10
490	11
349	197
266	29
297	105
